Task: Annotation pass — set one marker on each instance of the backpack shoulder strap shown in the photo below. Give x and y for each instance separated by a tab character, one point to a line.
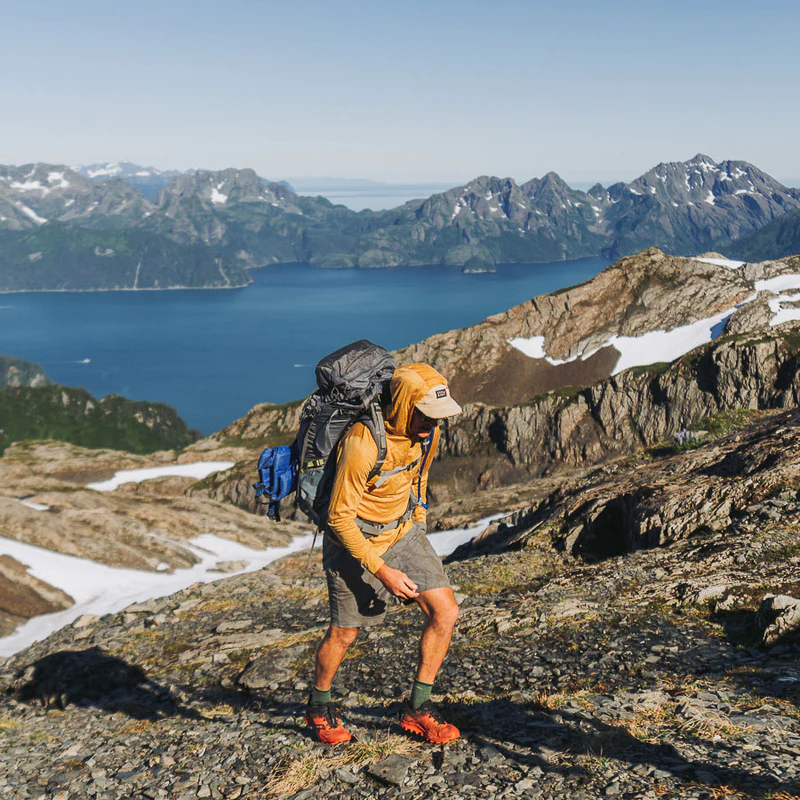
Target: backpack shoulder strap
373	420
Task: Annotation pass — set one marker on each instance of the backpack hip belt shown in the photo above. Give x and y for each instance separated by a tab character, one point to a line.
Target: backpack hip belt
369	528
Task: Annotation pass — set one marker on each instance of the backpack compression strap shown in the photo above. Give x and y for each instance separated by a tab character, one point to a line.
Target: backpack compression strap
378	431
385	475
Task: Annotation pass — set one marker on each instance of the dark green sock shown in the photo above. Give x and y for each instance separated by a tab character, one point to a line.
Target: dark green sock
420	693
320	697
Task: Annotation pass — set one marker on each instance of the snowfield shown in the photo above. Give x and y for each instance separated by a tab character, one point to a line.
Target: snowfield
98	589
667	346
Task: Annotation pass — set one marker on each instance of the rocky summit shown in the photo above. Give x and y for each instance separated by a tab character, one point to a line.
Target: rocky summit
588	661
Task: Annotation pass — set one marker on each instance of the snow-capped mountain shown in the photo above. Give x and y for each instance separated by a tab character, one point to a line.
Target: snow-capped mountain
148	180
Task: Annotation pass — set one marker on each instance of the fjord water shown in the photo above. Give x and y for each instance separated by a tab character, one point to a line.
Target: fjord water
214	354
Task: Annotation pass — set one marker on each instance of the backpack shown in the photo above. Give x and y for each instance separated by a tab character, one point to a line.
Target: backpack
351	385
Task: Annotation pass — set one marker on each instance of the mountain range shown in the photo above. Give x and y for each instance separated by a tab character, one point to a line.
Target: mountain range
98	228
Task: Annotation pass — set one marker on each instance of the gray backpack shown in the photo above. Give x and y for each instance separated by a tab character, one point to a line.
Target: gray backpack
352	383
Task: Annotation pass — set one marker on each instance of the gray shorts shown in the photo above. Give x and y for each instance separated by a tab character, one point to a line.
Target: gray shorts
357	598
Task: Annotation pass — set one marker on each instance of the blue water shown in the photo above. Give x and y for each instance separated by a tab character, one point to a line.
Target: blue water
215	354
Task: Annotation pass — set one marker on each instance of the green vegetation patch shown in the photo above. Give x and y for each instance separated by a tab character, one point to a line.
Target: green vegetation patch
726	421
75	416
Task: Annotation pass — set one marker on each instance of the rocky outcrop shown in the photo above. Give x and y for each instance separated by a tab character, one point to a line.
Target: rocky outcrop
654	501
22	596
637	408
16	372
265	424
778	618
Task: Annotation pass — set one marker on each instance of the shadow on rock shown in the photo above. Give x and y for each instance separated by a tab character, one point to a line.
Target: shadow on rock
93	678
526	726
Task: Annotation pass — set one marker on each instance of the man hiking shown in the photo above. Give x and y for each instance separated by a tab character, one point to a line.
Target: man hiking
376	547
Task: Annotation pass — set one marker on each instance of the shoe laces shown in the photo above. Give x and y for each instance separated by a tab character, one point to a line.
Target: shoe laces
329	712
433	711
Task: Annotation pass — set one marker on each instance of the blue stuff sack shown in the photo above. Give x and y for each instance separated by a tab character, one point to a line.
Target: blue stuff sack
277	470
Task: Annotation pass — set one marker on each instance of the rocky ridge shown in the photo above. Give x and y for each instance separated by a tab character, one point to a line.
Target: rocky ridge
639	294
573	671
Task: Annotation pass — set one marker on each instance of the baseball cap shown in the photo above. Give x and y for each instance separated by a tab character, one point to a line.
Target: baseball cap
438	403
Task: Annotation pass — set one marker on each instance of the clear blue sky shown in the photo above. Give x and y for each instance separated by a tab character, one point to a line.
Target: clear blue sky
412	91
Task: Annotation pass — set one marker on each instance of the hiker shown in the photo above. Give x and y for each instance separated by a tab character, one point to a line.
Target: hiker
375	547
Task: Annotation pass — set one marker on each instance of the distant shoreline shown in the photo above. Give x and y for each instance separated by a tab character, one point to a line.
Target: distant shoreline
459	267
126	289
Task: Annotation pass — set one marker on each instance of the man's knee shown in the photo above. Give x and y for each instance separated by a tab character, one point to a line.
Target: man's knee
441	607
342	637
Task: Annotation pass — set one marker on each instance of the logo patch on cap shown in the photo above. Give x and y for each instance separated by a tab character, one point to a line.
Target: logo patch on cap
441	393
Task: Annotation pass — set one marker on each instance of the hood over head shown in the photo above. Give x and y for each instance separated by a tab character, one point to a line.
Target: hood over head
409	385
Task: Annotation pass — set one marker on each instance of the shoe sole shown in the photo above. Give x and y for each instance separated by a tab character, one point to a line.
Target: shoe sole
412	727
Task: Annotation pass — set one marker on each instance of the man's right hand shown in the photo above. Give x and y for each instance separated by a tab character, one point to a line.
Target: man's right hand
397	582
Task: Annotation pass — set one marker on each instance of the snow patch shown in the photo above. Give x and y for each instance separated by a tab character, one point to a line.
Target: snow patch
30	186
217	197
721	262
31	213
53	177
34	506
198	470
445	542
108	169
99	589
710	198
638	351
778	284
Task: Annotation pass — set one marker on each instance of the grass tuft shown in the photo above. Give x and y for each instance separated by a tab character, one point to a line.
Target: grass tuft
295	774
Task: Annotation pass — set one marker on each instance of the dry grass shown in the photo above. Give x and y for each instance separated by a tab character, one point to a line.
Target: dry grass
554	701
8	724
211	606
137	726
647	723
296	774
221	710
305	593
295	638
711	725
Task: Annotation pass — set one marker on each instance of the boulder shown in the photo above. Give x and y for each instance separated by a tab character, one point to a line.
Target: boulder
778	618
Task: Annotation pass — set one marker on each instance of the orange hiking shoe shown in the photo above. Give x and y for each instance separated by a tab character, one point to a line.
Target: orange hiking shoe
327	726
428	722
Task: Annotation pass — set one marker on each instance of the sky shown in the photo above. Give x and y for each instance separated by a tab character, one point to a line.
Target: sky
433	91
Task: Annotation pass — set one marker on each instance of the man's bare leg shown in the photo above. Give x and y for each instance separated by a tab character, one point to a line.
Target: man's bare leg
441	608
330	654
419	717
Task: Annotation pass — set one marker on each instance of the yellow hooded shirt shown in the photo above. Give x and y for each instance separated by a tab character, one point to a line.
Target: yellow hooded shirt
355	495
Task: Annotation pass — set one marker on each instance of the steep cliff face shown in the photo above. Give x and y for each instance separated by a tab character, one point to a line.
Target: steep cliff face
735	483
637	408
